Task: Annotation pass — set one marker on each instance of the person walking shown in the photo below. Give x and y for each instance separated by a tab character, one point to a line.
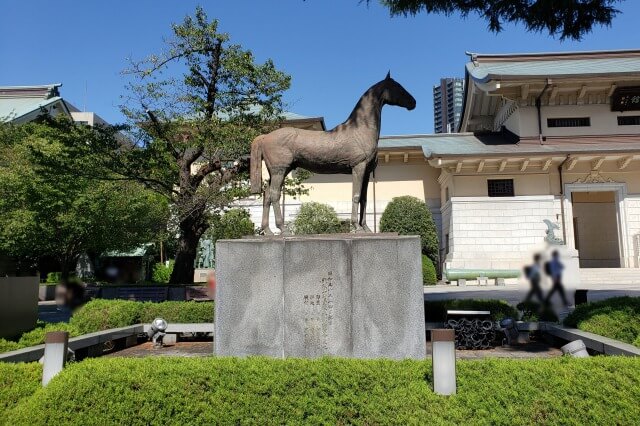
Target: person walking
534	275
554	269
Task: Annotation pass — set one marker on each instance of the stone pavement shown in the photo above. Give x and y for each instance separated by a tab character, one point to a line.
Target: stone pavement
182	349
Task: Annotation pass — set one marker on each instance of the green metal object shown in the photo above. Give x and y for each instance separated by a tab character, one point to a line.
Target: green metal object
472	274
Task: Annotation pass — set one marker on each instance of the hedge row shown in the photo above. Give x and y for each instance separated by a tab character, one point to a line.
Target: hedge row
598	390
617	318
17	382
103	314
436	310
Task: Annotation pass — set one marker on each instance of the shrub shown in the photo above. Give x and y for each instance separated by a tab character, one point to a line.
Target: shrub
232	224
54	277
36	336
428	271
101	314
9	345
598	390
617	318
436	310
162	272
409	216
533	312
177	312
18	381
316	218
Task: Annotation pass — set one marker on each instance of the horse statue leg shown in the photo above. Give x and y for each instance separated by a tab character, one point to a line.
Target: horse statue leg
357	173
363	201
266	203
275	189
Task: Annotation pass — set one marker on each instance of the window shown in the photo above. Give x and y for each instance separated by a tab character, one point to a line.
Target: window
500	187
629	120
569	122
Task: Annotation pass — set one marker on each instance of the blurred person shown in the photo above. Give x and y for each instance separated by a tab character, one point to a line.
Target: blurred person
534	275
554	269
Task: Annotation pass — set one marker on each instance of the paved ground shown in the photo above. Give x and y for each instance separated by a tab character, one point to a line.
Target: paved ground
183	349
514	294
50	312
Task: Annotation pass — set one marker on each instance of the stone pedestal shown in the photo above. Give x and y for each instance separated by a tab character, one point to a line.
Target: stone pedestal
347	295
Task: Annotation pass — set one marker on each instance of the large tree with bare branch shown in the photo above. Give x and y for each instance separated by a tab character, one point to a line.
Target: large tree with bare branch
193	111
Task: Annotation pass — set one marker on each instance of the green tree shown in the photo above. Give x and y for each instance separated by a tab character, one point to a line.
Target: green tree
43	212
193	110
408	215
568	19
233	224
316	218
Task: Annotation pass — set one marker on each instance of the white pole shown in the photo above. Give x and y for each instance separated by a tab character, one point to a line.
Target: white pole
55	354
443	352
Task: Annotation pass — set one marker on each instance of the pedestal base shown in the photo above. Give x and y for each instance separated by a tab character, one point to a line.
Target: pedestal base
341	295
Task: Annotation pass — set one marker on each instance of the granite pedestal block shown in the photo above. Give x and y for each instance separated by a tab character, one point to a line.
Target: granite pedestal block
346	295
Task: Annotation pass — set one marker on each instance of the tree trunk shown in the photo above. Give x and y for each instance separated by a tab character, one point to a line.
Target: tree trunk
190	233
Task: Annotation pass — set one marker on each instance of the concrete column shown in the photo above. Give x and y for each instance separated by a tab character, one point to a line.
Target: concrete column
443	352
55	354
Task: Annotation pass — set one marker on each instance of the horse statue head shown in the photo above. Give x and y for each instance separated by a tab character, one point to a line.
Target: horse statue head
394	94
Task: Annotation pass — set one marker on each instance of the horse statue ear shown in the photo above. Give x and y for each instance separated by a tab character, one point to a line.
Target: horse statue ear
388	75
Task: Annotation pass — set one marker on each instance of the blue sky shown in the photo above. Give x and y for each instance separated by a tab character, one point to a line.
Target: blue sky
333	49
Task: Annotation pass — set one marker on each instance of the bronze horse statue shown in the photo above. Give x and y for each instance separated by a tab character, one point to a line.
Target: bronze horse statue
349	148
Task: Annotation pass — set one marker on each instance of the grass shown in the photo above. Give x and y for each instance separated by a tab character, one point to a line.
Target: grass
598	390
17	382
617	318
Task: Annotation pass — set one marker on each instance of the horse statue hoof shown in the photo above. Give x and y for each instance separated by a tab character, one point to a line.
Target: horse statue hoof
266	232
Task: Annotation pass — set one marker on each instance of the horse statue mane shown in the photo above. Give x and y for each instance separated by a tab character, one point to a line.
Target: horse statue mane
349	148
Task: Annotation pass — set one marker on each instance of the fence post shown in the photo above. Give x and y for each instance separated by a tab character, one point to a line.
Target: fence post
443	353
55	354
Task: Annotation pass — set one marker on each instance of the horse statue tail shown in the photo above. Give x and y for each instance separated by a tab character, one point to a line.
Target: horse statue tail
256	165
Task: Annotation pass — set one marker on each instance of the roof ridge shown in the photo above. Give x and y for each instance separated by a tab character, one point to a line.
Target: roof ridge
548	56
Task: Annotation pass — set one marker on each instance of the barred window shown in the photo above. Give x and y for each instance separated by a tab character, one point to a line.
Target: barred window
500	187
629	120
569	122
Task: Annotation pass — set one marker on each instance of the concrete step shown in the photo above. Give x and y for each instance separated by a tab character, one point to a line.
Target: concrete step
610	275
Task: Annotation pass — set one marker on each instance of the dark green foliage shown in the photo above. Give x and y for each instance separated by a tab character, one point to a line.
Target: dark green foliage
428	271
617	318
533	312
17	382
436	310
232	224
162	272
316	218
103	314
409	216
568	19
598	390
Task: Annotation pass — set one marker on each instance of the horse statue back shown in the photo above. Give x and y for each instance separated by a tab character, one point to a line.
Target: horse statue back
349	148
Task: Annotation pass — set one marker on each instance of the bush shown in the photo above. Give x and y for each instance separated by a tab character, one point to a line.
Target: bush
598	390
436	310
36	336
162	272
617	318
177	312
103	314
18	381
409	216
54	277
316	218
428	271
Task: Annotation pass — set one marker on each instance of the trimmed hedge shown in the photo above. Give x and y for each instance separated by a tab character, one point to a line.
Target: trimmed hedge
597	390
617	318
428	271
436	310
103	314
17	382
36	336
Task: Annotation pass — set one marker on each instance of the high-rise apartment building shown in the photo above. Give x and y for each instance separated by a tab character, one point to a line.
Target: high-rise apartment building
447	105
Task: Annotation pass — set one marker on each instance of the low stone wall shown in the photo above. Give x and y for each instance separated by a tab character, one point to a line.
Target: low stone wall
18	305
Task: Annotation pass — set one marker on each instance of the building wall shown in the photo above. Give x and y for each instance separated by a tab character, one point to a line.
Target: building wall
524	121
